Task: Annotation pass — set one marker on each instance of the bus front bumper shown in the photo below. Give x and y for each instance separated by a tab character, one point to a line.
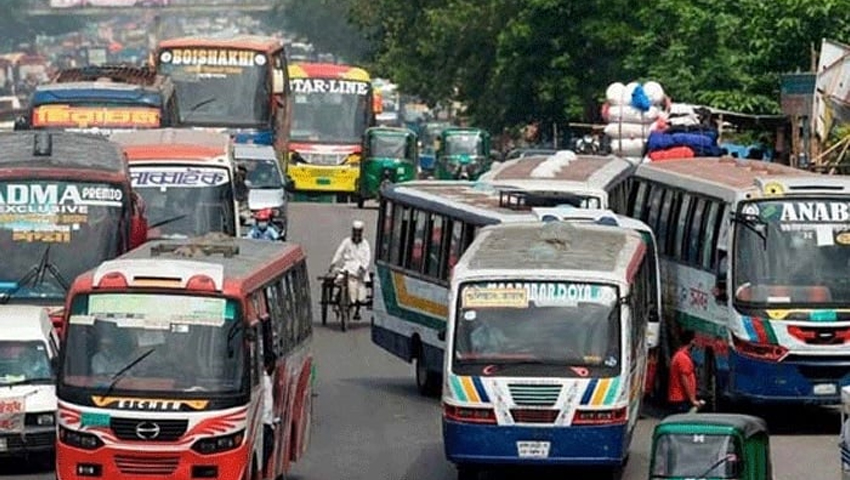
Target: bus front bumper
113	464
797	379
34	440
605	445
319	178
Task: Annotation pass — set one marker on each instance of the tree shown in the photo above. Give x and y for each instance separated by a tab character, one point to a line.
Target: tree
325	23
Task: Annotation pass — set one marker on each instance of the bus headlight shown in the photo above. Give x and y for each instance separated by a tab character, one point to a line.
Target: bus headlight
208	446
86	441
45	419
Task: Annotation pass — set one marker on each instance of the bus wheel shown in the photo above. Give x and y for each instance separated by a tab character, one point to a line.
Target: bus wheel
468	472
709	383
427	382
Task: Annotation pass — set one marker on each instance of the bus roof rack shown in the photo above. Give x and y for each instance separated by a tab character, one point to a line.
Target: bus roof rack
196	248
526	200
131	74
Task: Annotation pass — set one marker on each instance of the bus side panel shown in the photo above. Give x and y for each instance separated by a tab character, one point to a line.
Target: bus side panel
406	310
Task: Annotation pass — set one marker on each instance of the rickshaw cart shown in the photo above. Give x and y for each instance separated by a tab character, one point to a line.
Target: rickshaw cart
710	445
338	298
390	155
463	154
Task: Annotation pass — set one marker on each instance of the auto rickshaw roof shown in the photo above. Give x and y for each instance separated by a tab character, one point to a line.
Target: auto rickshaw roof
463	131
748	425
394	131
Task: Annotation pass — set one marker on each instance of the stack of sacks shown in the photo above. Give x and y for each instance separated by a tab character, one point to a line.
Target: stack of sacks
684	134
632	111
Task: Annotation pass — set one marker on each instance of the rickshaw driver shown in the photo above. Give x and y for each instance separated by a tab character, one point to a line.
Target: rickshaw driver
353	256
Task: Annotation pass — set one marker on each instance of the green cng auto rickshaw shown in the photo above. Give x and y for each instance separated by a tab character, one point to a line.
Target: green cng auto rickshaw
389	155
710	446
463	154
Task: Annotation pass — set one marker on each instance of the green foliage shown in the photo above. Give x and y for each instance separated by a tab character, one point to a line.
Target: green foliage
325	23
515	60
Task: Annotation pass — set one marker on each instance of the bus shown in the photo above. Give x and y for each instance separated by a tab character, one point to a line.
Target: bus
754	258
598	182
161	368
103	100
186	179
423	229
66	205
545	346
332	108
237	84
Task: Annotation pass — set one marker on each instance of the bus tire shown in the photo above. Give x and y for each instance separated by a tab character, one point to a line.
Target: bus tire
468	472
427	382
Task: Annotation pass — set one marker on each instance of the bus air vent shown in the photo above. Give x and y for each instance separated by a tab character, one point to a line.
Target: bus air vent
194	249
525	200
534	395
527	415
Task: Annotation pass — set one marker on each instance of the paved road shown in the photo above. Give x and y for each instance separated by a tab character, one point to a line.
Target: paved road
371	424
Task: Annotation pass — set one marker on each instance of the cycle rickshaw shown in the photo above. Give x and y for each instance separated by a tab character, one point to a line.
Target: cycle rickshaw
338	298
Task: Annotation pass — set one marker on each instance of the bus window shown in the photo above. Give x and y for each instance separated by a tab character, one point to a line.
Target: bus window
400	220
639	202
710	242
655	198
681	227
671	200
417	243
695	236
435	247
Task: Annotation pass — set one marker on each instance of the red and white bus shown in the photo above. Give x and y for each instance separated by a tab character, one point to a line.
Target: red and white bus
179	393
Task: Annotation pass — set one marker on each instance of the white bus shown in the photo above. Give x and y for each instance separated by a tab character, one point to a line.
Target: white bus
780	239
546	351
595	181
435	221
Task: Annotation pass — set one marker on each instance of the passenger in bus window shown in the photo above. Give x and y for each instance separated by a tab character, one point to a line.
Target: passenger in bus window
107	358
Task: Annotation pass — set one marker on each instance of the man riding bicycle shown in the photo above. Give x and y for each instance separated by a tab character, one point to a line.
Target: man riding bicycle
354	257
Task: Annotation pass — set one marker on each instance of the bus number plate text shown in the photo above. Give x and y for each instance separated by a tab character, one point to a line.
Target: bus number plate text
533	449
825	389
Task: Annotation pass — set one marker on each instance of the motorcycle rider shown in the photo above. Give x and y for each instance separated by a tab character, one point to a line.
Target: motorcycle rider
353	256
262	229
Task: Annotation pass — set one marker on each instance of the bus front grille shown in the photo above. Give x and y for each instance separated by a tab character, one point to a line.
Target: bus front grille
146	465
525	415
534	395
137	429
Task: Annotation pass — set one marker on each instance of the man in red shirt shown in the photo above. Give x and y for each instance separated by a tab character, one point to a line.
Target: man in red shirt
682	387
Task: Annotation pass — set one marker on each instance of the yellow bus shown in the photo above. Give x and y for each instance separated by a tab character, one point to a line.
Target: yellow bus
332	108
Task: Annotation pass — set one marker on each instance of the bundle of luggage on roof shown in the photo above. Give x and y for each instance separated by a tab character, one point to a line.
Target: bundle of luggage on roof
643	122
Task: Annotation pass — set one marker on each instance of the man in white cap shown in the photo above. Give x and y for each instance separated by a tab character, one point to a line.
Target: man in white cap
354	256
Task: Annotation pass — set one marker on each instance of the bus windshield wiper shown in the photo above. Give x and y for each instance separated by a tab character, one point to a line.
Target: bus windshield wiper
194	108
35	276
120	373
167	221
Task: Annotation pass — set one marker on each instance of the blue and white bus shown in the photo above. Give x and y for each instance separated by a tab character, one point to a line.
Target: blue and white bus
546	346
436	221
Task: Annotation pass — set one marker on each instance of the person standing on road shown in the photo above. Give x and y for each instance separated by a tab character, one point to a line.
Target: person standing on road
682	387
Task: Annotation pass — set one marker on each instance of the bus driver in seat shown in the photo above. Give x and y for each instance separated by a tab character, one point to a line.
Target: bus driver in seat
353	256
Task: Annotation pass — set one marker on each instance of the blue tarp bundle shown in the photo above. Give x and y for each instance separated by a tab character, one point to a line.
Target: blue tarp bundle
704	143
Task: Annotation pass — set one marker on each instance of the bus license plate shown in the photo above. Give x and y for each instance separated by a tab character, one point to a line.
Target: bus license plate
825	389
533	449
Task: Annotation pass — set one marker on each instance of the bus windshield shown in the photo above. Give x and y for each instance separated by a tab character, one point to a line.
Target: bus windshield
388	146
537	328
24	362
695	456
52	231
219	96
321	117
467	144
792	252
155	342
186	201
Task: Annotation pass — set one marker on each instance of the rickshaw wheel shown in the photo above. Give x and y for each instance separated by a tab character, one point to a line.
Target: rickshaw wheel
325	294
344	307
709	384
360	202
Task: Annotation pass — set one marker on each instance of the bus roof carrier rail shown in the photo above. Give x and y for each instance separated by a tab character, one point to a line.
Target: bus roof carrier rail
195	249
42	144
137	75
525	200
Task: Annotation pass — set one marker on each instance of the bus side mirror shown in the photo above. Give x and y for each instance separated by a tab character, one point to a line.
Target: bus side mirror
278	82
441	335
